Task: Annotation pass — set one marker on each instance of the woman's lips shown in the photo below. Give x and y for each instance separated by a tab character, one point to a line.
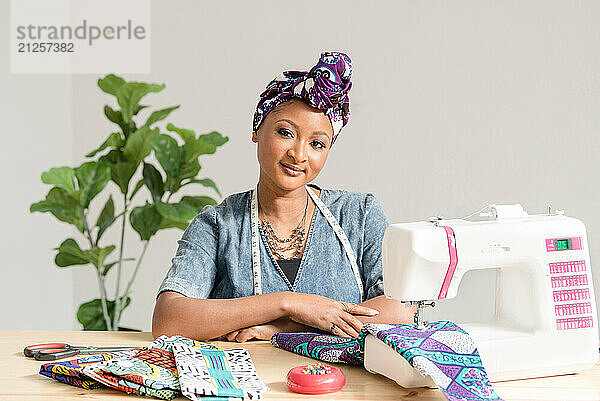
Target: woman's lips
291	170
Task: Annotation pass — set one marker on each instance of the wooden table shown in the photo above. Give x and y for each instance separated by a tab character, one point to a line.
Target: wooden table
20	379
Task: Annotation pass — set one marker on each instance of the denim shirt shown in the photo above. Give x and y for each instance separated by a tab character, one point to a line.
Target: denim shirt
213	259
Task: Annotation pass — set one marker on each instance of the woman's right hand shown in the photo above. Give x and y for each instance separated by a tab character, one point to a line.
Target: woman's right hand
325	313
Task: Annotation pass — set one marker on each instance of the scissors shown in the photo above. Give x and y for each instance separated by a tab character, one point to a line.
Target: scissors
53	351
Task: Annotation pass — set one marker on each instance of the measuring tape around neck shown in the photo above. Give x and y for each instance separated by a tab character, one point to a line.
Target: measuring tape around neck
339	232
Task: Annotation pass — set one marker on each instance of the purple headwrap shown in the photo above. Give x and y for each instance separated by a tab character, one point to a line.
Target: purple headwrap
324	87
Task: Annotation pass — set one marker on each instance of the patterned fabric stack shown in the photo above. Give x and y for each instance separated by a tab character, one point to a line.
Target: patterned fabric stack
155	371
152	371
221	373
443	351
69	372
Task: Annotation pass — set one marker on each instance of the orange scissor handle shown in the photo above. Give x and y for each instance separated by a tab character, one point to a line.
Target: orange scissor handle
31	350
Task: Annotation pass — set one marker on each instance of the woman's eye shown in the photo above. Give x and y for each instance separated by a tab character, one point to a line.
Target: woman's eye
318	144
285	132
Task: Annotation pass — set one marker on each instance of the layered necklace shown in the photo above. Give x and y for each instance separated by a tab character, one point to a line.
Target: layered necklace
280	245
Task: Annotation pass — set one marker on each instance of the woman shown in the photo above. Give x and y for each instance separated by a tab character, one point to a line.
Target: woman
285	256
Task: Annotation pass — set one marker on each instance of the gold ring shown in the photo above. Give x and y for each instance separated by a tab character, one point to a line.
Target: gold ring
333	326
347	308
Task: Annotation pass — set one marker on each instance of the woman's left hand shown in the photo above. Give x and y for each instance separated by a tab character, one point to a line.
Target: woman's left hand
265	331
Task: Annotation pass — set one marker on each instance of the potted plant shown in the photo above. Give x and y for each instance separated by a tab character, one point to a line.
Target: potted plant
117	159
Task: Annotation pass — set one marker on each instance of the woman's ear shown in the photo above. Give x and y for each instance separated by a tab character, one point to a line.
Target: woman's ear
254	137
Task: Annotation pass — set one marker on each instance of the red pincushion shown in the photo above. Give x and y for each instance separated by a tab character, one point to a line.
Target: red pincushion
304	383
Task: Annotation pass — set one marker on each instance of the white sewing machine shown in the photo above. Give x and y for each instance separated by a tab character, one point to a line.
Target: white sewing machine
545	320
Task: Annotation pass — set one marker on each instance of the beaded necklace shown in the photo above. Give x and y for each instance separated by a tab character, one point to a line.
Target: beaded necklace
279	245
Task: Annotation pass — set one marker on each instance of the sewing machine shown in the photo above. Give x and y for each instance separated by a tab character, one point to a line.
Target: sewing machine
545	320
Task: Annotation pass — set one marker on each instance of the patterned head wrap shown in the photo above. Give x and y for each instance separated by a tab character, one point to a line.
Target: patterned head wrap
324	87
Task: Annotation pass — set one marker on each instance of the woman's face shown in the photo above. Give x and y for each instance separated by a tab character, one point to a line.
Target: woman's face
293	144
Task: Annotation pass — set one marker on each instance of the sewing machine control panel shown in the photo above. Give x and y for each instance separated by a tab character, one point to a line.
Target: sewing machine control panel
563	244
570	284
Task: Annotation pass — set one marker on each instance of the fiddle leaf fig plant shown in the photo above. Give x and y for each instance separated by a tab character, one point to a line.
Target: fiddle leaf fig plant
125	152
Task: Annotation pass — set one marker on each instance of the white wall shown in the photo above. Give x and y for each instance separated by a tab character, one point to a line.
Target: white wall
454	106
36	131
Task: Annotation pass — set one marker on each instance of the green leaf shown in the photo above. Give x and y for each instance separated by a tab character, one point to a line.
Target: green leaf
138	144
62	205
186	134
145	220
109	266
180	212
113	139
45	206
167	153
96	255
90	313
159	115
189	170
61	177
168	223
131	127
154	182
198	148
137	187
214	138
207	182
194	147
130	94
198	202
139	108
121	174
92	177
106	218
70	254
114	156
117	118
111	84
113	115
121	170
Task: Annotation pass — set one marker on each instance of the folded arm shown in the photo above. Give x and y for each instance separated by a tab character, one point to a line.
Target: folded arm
204	319
390	312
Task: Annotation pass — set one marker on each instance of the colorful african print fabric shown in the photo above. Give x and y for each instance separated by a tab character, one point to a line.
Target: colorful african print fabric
226	374
151	371
442	350
324	87
324	347
69	372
